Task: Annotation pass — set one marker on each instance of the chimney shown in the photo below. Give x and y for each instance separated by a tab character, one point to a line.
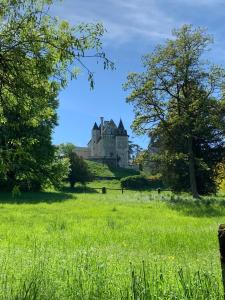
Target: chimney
102	122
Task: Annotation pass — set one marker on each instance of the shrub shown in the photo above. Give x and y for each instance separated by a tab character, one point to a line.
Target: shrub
141	182
155	181
221	185
134	182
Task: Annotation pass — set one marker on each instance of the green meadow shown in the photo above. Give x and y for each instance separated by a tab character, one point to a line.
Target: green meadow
82	244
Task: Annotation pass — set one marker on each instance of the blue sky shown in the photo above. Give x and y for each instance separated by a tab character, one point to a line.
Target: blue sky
134	28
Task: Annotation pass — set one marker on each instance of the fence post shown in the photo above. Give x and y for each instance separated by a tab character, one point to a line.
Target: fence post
221	237
104	190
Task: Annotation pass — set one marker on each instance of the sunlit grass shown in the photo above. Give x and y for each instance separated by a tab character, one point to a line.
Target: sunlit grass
136	245
103	170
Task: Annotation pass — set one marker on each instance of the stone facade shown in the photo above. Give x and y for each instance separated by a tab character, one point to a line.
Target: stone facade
108	144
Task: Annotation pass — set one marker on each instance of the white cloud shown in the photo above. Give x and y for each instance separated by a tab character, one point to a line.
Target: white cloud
123	20
127	20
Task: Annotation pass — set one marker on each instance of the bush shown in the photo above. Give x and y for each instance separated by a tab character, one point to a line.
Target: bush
155	181
140	182
221	185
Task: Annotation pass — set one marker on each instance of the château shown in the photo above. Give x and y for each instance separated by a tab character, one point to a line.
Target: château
108	144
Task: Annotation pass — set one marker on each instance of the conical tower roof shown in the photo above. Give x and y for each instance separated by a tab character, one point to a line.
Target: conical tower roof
95	127
121	130
121	127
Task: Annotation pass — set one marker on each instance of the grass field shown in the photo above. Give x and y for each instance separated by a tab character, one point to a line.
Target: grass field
61	245
103	170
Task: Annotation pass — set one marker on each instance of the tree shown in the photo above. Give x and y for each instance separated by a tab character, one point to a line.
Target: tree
220	180
79	171
178	102
134	154
65	150
38	55
134	150
57	171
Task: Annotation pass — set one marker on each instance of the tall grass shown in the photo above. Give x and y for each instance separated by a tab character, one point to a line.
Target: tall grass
86	276
113	246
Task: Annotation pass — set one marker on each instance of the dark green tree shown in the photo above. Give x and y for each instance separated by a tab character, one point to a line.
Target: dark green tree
178	102
38	56
79	171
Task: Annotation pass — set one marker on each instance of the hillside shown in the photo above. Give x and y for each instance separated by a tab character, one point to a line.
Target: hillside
104	171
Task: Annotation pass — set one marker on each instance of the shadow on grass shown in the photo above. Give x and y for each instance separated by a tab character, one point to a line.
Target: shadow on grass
34	198
80	190
203	207
63	194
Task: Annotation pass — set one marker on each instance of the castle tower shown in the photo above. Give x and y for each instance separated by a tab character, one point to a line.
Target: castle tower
96	133
122	146
102	124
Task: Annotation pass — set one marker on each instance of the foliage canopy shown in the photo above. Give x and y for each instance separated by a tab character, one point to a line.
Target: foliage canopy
38	55
178	101
79	170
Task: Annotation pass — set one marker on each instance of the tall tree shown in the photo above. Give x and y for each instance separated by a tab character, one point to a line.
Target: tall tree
79	171
178	102
38	55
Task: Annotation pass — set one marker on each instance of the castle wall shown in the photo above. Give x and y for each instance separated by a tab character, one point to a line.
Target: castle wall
99	149
109	146
122	151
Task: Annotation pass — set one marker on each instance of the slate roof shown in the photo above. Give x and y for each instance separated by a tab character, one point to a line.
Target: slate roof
121	127
95	127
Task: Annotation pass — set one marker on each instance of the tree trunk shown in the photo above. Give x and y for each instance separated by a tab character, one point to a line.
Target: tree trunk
192	174
221	237
72	184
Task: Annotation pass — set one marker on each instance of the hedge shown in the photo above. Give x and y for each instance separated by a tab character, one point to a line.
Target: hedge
140	182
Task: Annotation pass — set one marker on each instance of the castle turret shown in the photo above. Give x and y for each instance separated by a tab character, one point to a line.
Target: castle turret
121	130
120	126
122	146
95	127
102	124
96	133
